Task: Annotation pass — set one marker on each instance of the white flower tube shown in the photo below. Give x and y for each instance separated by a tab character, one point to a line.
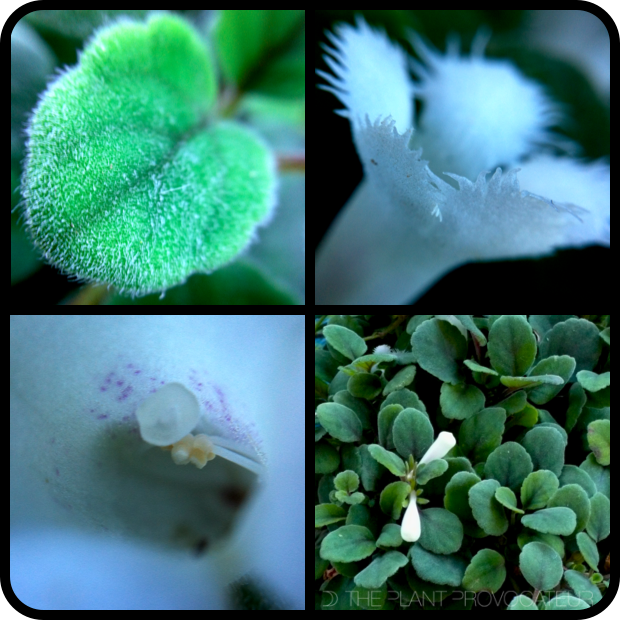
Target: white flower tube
411	527
411	220
94	399
441	446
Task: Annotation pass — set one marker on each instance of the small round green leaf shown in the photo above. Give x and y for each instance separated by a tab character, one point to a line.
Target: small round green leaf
339	421
442	531
507	498
127	180
588	549
593	382
574	497
599	524
546	446
461	401
347	481
487	511
559	365
412	433
326	514
440	349
578	338
565	601
486	571
349	543
388	459
541	566
598	440
392	498
428	471
512	345
510	464
445	570
559	520
400	380
345	341
480	434
531	381
378	571
364	385
326	458
522	602
538	488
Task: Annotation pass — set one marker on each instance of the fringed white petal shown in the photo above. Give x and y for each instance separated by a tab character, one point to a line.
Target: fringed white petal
580	183
370	75
389	245
404	227
479	113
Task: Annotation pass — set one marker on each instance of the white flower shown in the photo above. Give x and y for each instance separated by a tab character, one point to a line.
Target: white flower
94	399
441	446
410	220
411	527
383	348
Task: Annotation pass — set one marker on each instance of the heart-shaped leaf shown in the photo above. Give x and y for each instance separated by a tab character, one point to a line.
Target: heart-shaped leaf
128	180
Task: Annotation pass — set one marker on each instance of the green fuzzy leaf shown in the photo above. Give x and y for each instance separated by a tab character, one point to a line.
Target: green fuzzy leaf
566	602
507	498
247	39
574	497
326	514
487	511
400	380
588	549
475	367
128	181
347	481
486	571
339	421
364	385
428	471
599	524
440	349
412	433
459	402
556	365
510	464
482	433
558	520
541	566
512	345
593	382
546	446
390	536
378	571
445	570
392	498
345	341
531	381
538	488
522	602
391	461
598	440
349	543
442	531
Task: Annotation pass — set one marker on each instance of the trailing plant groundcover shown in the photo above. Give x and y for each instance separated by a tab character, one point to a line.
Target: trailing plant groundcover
462	462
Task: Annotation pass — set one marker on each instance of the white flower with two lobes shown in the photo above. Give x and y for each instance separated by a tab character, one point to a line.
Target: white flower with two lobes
411	528
412	220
